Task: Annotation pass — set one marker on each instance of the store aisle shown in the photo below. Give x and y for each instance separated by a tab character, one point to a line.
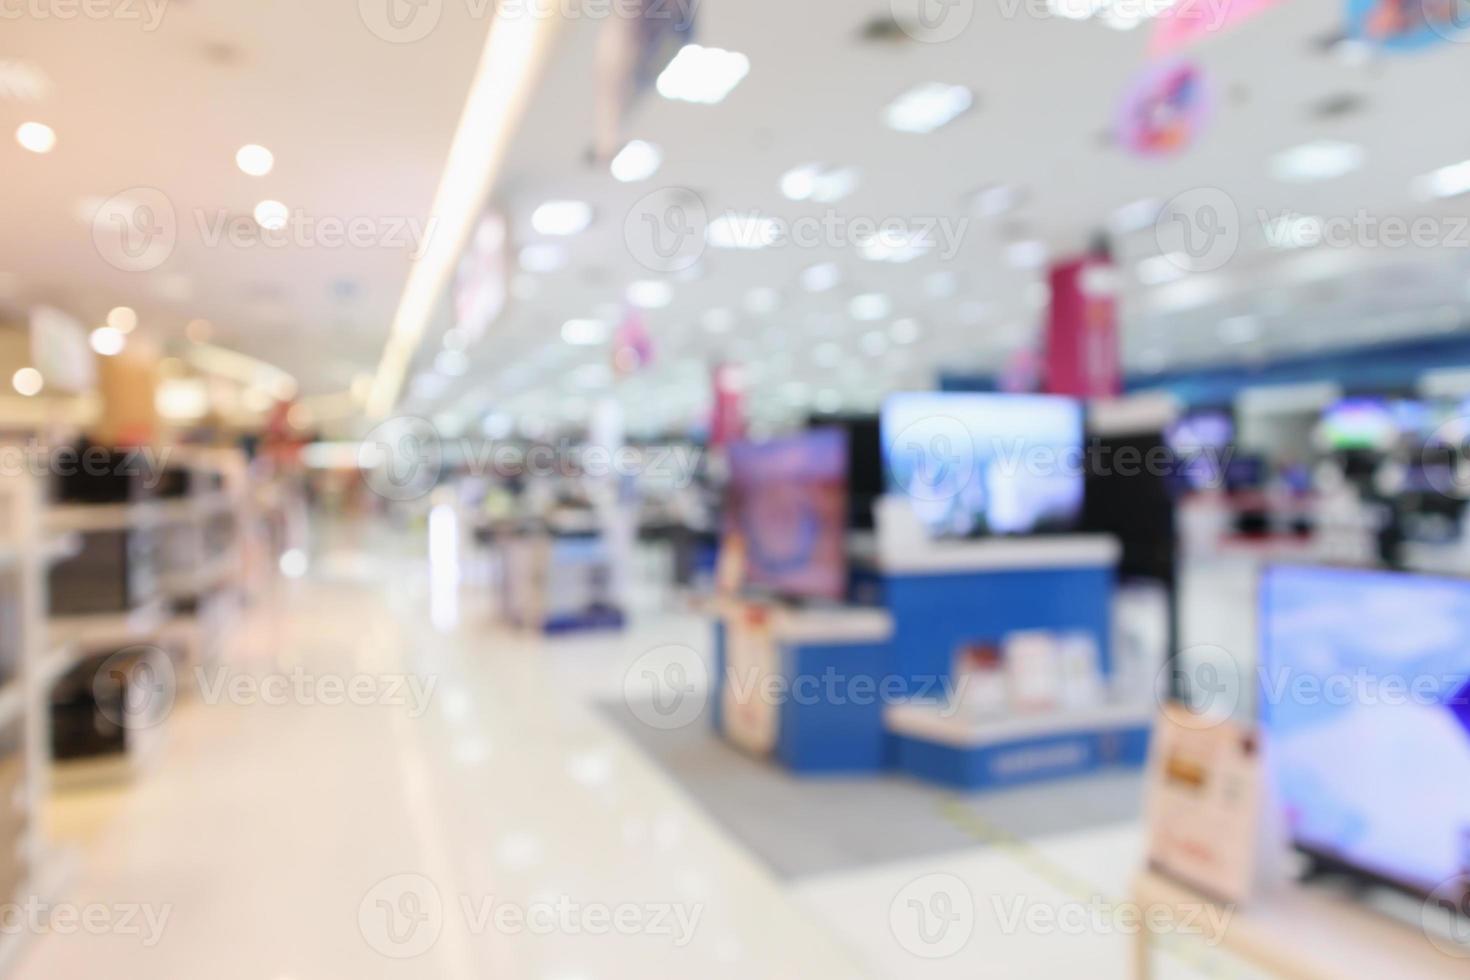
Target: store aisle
462	810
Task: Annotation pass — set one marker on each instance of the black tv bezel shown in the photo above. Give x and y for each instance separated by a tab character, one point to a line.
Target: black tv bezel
1325	862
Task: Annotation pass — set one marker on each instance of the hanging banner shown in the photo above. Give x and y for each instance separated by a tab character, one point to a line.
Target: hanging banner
727	424
631	53
1164	110
1407	25
1082	357
1191	21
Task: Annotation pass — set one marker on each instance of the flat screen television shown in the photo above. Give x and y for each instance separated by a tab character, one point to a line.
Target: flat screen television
787	510
1359	424
1201	440
972	465
1365	698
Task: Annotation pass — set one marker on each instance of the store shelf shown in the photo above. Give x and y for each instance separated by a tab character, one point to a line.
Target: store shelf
102	517
53	665
104	628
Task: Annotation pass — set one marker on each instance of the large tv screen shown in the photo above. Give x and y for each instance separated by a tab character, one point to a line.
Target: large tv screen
1365	686
972	465
788	511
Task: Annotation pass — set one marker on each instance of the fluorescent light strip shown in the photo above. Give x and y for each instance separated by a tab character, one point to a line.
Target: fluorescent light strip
515	50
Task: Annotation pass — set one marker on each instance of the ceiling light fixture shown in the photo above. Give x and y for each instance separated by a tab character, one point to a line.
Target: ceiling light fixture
122	319
562	218
1316	160
870	306
815	182
638	160
1135	216
515	50
1450	181
36	137
27	382
821	277
584	332
255	160
926	108
746	232
702	75
272	215
650	294
543	258
107	341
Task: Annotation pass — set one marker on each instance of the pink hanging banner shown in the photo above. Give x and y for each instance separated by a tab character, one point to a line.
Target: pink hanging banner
1082	358
1191	21
727	423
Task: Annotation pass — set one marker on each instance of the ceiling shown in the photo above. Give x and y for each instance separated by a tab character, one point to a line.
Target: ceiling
359	126
1046	92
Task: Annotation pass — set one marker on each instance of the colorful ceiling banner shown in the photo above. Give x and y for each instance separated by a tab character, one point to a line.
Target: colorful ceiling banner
1190	21
1164	109
631	53
1407	25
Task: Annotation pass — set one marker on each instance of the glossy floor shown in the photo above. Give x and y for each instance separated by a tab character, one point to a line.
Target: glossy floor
371	791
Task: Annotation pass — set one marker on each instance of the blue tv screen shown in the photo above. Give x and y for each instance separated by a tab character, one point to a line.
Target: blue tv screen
972	465
1365	687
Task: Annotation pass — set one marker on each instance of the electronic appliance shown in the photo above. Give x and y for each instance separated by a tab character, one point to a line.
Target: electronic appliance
979	464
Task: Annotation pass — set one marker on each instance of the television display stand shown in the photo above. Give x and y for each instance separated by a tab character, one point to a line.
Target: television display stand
1301	933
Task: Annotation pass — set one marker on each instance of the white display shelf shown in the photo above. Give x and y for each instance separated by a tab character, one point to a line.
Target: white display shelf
1300	933
935	722
832	626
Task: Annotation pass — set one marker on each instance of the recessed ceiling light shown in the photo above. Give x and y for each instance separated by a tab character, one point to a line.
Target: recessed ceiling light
874	343
925	108
36	137
1156	270
255	160
904	331
451	363
272	215
562	218
1317	160
761	300
895	246
27	382
107	341
638	160
821	277
747	232
996	200
870	306
585	332
122	319
1028	254
815	182
1449	181
827	354
650	294
702	75
543	258
942	285
1293	230
1135	216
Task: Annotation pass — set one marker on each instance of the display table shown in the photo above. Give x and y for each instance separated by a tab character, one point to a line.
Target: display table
934	742
804	686
1299	933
